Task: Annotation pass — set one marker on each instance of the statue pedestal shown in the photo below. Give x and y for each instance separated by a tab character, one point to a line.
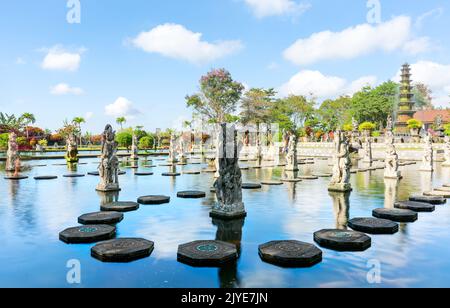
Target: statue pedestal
393	175
340	187
426	169
107	188
228	212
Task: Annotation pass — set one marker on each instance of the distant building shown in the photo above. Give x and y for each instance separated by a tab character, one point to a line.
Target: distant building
405	110
430	117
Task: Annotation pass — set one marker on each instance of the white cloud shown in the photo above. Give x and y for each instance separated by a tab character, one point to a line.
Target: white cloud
20	61
436	76
89	115
265	8
177	42
122	107
417	46
58	58
356	41
436	13
322	86
65	89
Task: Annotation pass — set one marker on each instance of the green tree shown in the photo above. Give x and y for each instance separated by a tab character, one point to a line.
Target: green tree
146	142
4	141
78	121
125	138
121	121
334	113
423	97
218	96
27	119
292	112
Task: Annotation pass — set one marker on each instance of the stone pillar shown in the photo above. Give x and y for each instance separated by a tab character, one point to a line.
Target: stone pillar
12	155
291	156
391	161
228	186
109	164
428	157
134	148
340	181
446	151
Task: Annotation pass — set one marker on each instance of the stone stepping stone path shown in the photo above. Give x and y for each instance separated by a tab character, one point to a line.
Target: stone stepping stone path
207	253
290	253
132	167
437	193
122	173
209	170
446	185
167	165
45	177
149	166
143	173
251	186
191	194
363	170
354	171
192	172
94	173
120	207
323	175
39	166
101	218
397	215
244	168
60	165
342	240
272	183
74	175
428	199
297	180
122	250
87	234
446	189
173	174
308	177
16	178
373	225
153	200
182	164
415	206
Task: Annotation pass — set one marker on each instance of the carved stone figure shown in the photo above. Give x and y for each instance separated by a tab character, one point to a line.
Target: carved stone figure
172	154
291	156
229	184
390	124
446	151
13	153
72	149
181	150
134	148
427	161
391	171
109	164
342	164
367	149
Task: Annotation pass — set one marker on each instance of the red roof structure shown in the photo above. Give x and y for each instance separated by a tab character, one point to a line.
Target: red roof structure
430	116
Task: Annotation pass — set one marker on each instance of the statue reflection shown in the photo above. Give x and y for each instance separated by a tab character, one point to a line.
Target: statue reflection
108	197
341	206
230	231
390	192
426	181
72	167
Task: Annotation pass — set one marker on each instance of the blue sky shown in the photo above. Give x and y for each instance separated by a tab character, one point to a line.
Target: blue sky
140	58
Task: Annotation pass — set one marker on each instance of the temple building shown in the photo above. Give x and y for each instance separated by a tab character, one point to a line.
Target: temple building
406	103
429	118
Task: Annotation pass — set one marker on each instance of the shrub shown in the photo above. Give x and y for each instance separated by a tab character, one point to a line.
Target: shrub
414	124
146	143
367	126
376	134
4	141
347	127
447	129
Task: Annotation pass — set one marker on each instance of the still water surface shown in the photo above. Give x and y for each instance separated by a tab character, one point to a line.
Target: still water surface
32	213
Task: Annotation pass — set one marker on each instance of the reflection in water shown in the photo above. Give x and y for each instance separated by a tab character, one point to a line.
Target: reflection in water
390	192
73	167
426	181
108	197
229	231
341	205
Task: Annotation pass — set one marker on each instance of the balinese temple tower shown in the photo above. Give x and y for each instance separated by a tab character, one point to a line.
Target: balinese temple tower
406	104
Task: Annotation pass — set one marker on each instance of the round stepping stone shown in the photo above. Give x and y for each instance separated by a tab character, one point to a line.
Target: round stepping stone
182	164
415	206
291	180
363	170
45	177
207	253
437	193
171	174
428	199
149	166
209	170
308	177
166	165
143	173
446	189
251	186
397	215
290	253
191	172
87	234
147	200
122	173
446	185
323	175
39	166
272	183
73	175
244	168
132	167
120	207
94	173
16	178
373	225
100	218
191	194
342	240
353	171
122	250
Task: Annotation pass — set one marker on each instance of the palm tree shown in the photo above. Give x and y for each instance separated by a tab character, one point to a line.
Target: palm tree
78	121
121	121
27	119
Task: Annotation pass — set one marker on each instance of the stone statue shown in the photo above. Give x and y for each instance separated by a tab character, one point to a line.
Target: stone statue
134	148
72	149
181	150
390	124
355	125
341	171
367	149
109	164
229	184
427	161
446	151
172	155
391	161
291	156
13	153
355	133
